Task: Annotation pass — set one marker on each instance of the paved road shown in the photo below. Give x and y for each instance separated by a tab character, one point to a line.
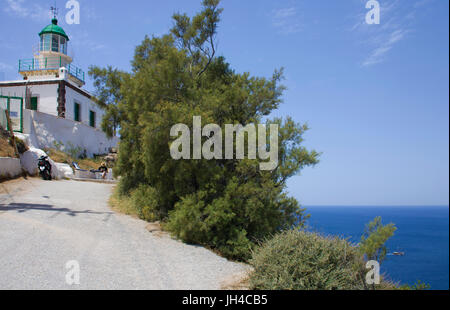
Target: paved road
45	225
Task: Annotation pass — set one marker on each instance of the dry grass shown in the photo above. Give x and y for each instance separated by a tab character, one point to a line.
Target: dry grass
6	150
122	204
236	282
61	157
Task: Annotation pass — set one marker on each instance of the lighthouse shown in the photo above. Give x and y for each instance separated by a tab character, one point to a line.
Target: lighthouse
49	104
51	59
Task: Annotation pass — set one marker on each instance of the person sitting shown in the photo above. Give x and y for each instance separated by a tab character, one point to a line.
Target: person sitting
103	169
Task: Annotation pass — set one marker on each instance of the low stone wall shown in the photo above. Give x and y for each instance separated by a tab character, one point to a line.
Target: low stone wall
84	174
10	167
29	161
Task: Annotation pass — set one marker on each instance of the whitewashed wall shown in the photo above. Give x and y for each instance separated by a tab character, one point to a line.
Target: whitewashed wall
48	100
44	130
86	105
10	167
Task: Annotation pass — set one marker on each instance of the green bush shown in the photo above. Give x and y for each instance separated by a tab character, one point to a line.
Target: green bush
298	260
214	225
186	220
145	200
233	222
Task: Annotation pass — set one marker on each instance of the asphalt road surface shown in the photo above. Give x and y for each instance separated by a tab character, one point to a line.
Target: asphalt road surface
54	235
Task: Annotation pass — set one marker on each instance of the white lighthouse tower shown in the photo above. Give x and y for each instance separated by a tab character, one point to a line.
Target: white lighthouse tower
51	59
49	103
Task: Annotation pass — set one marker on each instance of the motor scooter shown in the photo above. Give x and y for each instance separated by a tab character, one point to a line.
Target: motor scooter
45	168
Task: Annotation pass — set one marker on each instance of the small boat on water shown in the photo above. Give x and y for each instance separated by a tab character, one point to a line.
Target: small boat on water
398	254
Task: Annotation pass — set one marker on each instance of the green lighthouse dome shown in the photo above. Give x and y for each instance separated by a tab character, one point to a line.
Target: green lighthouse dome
54	29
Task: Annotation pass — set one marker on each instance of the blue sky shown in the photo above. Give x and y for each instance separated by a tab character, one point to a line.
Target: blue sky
375	96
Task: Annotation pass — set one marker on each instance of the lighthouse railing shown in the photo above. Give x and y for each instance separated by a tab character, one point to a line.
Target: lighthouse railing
50	63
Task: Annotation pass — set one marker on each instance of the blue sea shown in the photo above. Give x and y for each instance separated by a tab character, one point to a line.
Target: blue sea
423	234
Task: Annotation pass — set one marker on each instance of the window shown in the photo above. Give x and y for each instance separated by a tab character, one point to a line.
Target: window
34	103
46	42
62	45
92	119
55	43
76	112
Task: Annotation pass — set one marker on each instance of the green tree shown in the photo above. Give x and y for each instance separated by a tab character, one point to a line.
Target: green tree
373	241
225	204
107	83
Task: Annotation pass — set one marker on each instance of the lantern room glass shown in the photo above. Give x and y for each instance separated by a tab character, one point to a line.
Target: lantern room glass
53	43
46	40
62	45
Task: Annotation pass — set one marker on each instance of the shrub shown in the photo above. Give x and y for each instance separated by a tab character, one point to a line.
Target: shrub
236	220
187	221
145	200
214	225
298	260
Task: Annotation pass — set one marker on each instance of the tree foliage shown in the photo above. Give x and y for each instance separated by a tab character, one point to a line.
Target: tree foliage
373	241
225	204
107	82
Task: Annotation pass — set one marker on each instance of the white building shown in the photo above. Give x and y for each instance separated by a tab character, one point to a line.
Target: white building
49	105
